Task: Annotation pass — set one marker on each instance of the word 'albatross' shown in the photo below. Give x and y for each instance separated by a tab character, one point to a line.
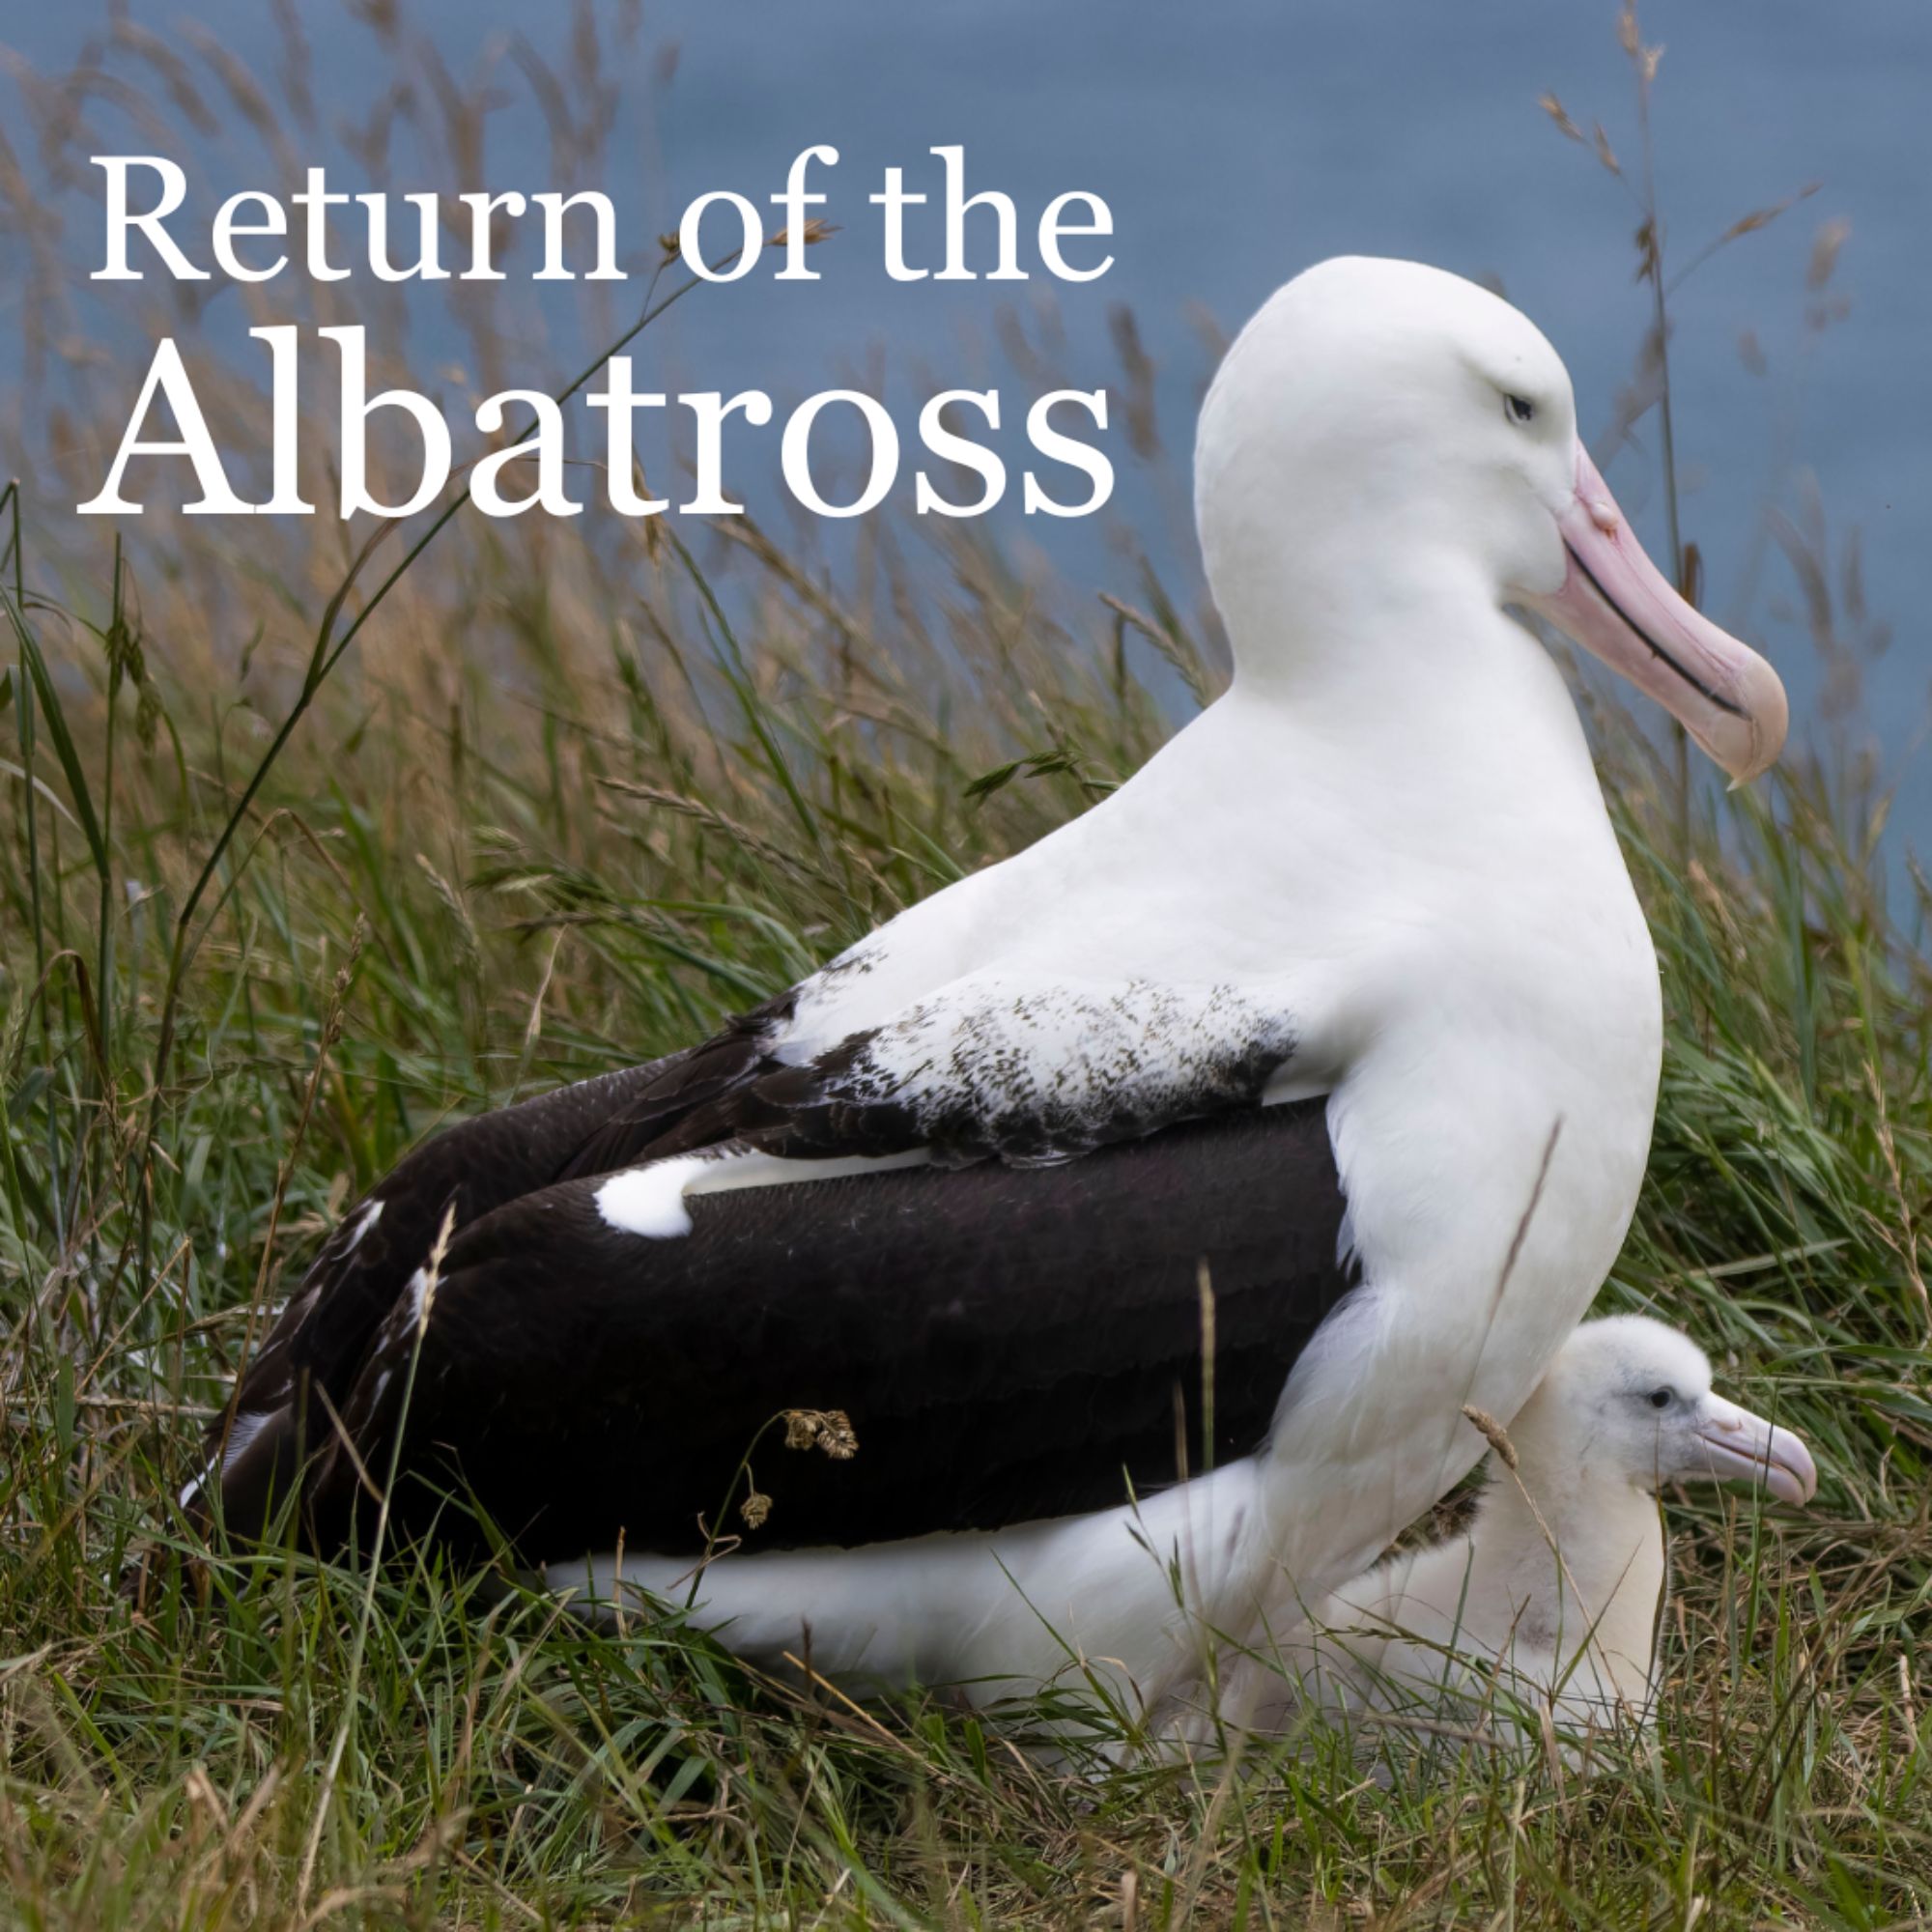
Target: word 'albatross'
1320	999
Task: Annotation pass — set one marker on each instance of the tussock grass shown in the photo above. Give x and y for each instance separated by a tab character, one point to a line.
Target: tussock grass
429	910
571	798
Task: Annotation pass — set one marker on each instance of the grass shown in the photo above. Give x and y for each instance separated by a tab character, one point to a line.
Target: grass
431	909
658	781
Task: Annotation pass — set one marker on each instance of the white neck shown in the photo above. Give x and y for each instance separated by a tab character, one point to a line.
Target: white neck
1442	722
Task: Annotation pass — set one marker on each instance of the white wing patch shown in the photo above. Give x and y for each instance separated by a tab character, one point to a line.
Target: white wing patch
650	1200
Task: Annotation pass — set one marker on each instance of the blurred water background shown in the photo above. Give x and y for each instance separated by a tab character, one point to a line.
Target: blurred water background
1236	141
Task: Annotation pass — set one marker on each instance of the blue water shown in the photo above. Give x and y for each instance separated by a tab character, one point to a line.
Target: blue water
1237	141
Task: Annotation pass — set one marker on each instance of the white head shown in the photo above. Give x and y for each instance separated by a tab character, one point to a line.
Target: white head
1385	439
1629	1400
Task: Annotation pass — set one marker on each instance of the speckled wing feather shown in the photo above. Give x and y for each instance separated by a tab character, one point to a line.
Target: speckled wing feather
990	1068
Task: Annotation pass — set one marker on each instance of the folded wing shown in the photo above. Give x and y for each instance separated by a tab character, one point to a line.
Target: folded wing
1005	1344
1010	1324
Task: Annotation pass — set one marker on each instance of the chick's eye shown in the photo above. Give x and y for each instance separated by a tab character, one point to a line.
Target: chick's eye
1520	409
1659	1397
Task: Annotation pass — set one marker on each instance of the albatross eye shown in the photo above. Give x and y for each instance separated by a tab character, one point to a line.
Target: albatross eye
1659	1397
1520	409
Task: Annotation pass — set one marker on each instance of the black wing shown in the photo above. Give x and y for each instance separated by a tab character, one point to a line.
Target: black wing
984	1071
311	1357
1007	1343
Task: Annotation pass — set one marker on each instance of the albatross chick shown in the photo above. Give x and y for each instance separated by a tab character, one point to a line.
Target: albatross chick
1550	1596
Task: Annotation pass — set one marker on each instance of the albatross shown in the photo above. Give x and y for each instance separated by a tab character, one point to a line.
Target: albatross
1119	1231
1550	1599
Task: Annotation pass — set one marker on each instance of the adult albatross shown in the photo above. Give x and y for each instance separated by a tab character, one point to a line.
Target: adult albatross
1310	1009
